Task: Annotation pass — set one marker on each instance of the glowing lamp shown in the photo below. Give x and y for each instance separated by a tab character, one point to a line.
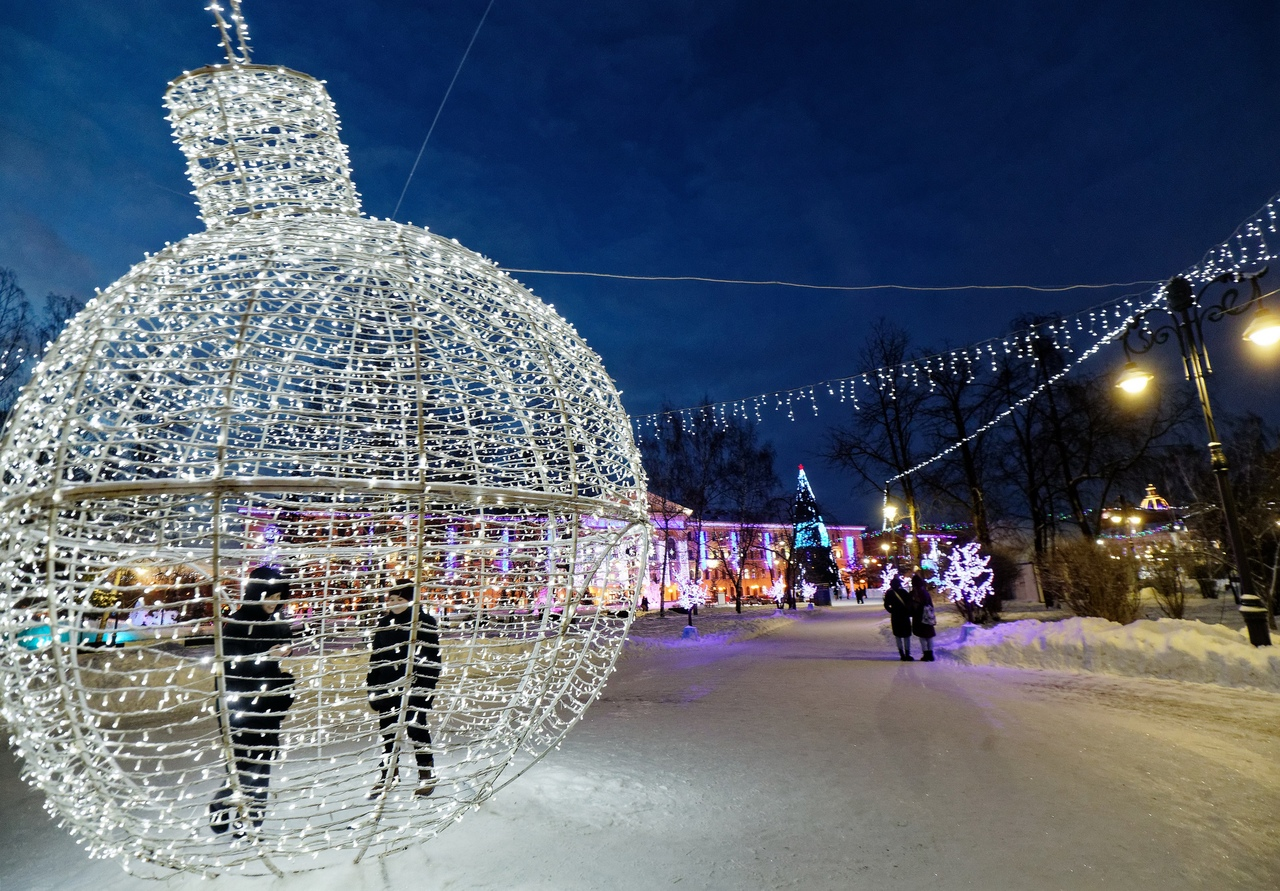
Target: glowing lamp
1264	328
1133	379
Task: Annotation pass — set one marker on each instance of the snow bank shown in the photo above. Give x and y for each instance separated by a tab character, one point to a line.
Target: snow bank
1164	648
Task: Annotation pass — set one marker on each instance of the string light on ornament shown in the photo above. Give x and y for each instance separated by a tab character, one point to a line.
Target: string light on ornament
354	400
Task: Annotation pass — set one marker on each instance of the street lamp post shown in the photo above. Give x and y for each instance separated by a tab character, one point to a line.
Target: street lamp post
890	514
891	526
1189	315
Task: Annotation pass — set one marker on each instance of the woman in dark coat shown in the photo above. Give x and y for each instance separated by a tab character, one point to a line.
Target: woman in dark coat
397	682
922	617
897	600
254	640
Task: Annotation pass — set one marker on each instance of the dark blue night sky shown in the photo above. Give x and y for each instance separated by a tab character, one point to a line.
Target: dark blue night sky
920	143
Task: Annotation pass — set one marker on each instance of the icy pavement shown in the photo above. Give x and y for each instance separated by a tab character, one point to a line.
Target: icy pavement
810	757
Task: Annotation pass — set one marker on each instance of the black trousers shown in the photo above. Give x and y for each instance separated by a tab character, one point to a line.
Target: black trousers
254	750
415	725
255	738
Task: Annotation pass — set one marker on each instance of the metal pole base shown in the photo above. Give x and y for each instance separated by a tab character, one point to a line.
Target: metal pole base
1255	620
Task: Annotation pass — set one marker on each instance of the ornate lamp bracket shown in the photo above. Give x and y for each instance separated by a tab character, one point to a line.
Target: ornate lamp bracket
1188	313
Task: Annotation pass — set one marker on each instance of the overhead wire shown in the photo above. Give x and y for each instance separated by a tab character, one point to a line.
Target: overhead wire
1045	289
436	119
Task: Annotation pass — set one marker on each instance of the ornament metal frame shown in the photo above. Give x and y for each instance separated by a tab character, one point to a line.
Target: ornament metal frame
349	399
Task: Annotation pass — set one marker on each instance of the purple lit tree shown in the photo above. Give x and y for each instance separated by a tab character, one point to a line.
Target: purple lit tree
692	595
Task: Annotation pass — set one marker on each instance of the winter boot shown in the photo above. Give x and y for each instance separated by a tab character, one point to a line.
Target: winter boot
426	774
221	810
385	782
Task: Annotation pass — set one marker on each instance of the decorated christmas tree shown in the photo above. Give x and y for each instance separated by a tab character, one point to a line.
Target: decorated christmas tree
814	561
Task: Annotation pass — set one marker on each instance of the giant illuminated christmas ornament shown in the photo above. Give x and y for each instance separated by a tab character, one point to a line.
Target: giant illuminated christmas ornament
342	400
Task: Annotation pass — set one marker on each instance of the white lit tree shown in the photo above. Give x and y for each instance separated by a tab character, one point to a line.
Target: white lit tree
692	595
778	591
967	579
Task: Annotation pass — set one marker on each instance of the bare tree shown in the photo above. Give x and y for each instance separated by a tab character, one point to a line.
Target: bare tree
958	405
25	331
747	492
15	338
683	462
665	465
1022	468
717	469
883	438
1185	476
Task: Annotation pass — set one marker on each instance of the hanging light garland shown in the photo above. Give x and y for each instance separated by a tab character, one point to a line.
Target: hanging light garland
350	402
1094	326
1249	246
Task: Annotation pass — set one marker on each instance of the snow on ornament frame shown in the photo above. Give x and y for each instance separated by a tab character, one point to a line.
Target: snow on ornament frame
352	400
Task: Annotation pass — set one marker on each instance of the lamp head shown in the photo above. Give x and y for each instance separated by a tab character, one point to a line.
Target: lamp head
1133	379
1264	328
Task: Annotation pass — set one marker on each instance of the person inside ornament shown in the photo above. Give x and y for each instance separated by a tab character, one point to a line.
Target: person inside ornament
401	688
257	696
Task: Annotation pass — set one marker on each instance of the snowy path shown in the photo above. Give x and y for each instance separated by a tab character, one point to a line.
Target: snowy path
812	758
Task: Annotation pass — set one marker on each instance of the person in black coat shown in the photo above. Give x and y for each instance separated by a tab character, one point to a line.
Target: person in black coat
256	695
922	618
897	600
398	683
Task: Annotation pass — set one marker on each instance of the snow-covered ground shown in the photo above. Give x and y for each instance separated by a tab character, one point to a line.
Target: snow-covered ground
1164	648
796	751
1209	646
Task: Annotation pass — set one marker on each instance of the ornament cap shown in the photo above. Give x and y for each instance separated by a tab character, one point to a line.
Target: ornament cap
260	139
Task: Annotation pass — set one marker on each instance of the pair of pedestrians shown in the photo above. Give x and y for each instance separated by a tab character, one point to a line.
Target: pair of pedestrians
404	668
911	612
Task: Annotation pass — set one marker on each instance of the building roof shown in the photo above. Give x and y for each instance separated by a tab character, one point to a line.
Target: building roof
664	507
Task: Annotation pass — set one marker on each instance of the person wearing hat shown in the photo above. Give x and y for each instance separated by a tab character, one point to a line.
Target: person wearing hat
402	687
256	695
